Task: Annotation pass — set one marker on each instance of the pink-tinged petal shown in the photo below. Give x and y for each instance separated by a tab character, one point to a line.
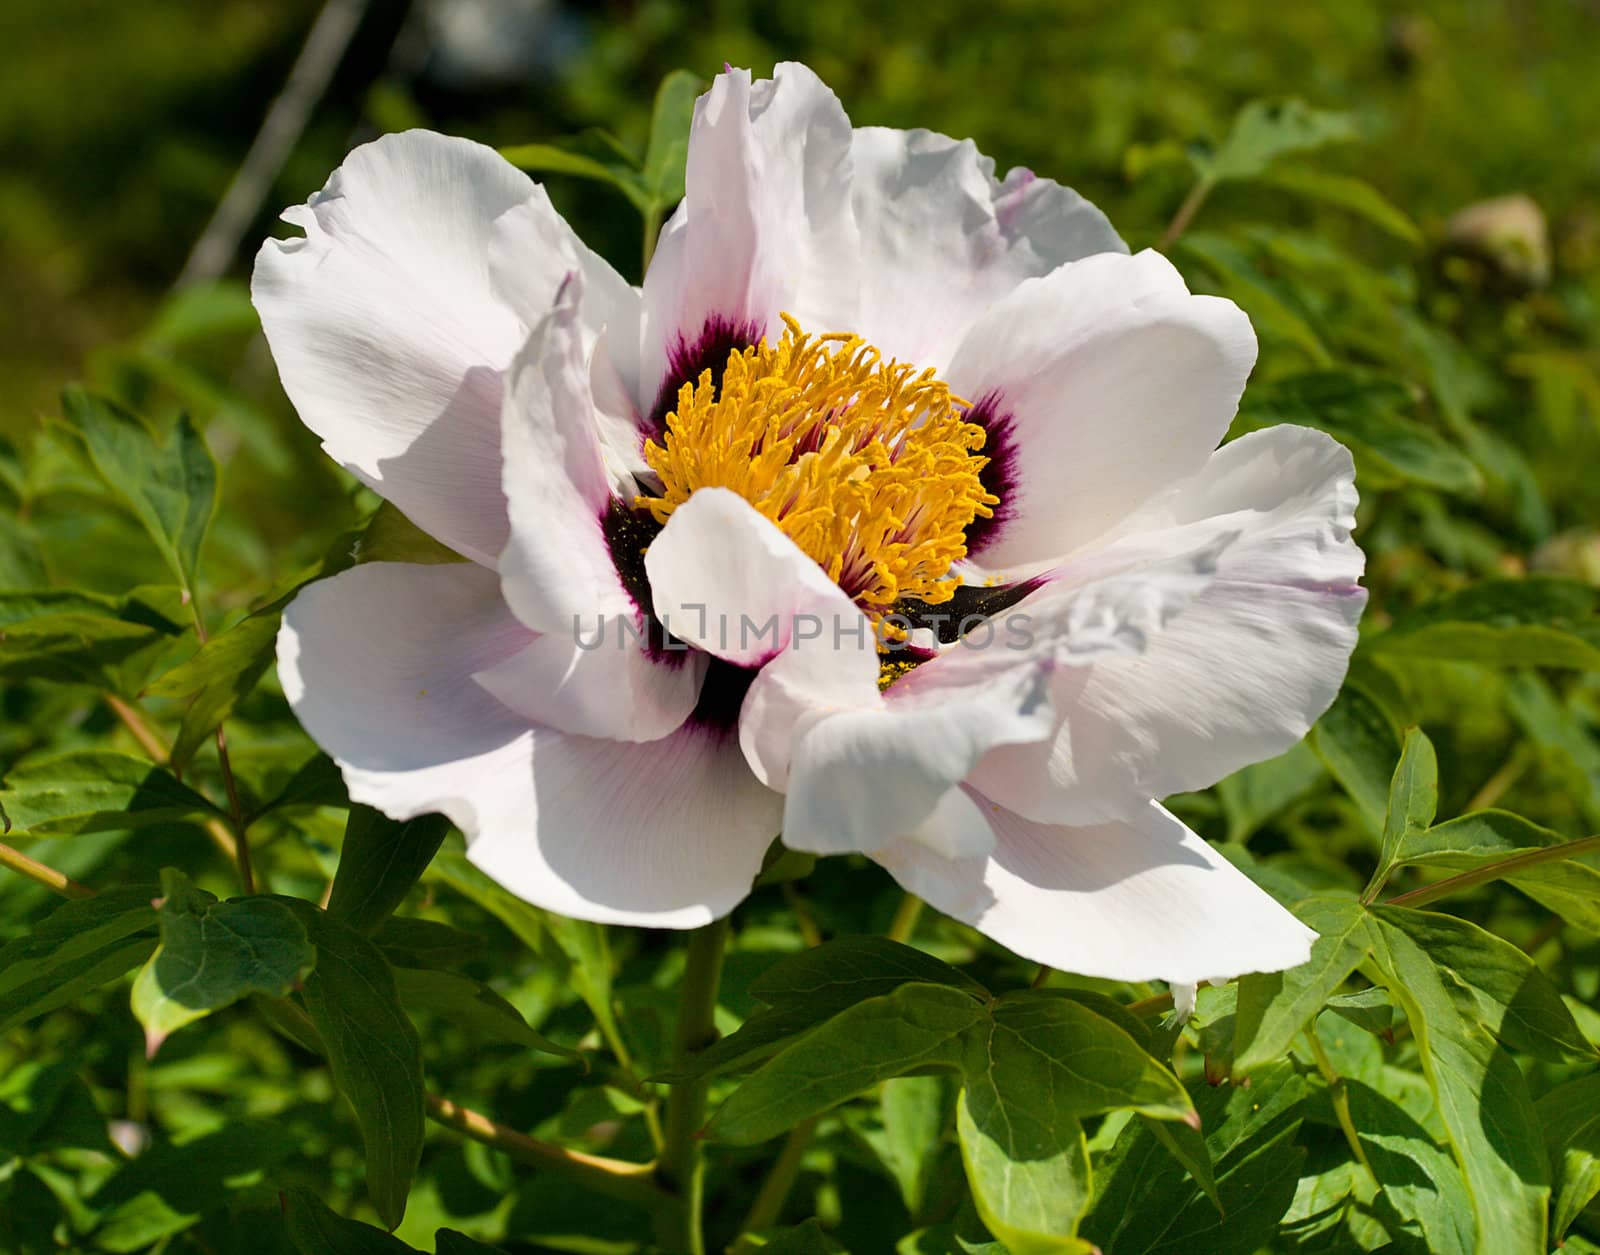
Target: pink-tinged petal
1137	899
942	239
727	581
1238	677
378	663
387	331
764	228
594	670
1099	385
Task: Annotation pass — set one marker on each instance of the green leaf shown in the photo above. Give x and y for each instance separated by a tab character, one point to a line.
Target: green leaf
668	151
373	1052
408	942
1258	793
1088	1064
170	1187
390	536
838	973
473	1006
1540	621
200	312
170	484
577	947
916	1028
1147	1203
1420	1180
315	1229
1370	1010
807	988
95	791
1570	1117
80	946
1345	192
318	782
1027	1165
803	1239
80	638
1413	802
1365	411
217	677
449	1242
1274	1006
1357	742
214	953
1044	1063
1265	131
1513	998
380	863
1453	982
1187	1145
1274	307
907	1134
45	1106
554	159
1570	887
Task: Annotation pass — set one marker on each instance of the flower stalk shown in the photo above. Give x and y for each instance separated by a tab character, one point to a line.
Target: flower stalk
49	877
681	1168
1494	871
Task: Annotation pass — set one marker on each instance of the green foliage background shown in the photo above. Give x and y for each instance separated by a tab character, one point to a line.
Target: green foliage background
1443	1099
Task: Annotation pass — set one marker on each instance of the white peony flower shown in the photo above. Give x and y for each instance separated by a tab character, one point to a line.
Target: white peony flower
865	384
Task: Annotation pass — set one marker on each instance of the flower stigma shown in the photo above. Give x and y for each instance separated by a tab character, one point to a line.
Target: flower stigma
870	467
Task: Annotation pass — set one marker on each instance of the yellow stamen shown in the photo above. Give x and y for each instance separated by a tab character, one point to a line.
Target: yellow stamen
868	466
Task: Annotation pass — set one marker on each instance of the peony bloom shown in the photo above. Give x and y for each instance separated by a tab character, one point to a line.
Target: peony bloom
887	514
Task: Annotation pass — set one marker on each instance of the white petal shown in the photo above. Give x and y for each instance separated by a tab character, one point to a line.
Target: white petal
668	834
532	250
858	765
557	565
601	681
726	580
388	334
593	671
1136	899
942	239
1238	677
1100	384
378	664
858	777
764	228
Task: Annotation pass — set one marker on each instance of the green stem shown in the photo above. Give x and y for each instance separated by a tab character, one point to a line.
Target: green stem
49	877
774	1192
652	231
1186	212
681	1168
905	919
1494	871
630	1182
1340	1098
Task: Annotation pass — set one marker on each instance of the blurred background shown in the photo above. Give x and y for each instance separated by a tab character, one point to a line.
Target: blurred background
123	121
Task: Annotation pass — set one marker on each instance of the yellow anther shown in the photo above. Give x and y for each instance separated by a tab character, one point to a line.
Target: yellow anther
870	467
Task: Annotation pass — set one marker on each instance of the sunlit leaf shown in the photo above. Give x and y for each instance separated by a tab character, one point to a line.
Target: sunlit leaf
95	791
214	953
170	484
